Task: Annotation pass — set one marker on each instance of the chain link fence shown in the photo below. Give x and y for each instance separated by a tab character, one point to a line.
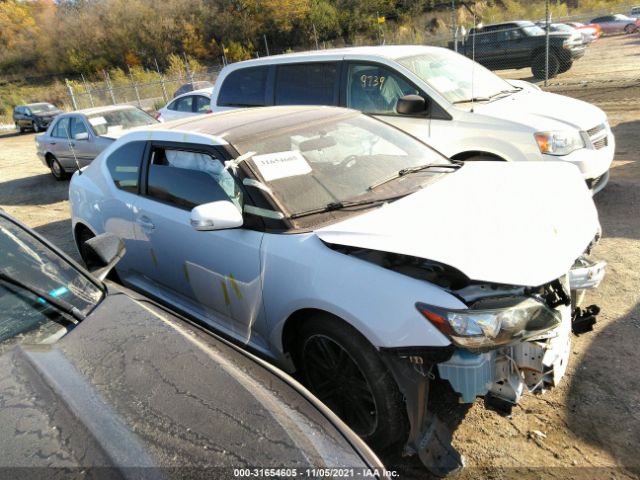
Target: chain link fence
148	95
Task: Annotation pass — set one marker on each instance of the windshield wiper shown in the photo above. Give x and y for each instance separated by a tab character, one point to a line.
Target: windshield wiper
404	171
474	99
57	302
330	207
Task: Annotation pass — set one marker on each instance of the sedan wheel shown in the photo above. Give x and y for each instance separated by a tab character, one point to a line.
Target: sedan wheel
56	169
630	29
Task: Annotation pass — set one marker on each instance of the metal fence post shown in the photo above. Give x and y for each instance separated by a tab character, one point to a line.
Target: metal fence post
109	86
86	89
164	89
546	55
71	96
135	89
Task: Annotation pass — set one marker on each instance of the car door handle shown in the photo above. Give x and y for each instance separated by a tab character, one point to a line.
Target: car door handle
146	223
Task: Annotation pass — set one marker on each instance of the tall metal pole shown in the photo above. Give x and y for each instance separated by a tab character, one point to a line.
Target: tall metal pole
546	55
315	35
164	89
266	45
71	95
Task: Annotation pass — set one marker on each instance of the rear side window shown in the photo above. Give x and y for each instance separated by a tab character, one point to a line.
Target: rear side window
203	104
244	88
184	104
124	166
307	84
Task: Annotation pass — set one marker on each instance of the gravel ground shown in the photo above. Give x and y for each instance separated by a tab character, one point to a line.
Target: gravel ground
589	426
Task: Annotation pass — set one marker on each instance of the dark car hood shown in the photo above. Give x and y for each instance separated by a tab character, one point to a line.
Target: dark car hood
50	114
133	386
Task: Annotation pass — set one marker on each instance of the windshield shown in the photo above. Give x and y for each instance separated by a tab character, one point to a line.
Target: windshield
116	120
450	75
337	160
42	107
27	318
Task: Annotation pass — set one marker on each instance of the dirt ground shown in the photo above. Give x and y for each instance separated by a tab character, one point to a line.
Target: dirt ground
589	426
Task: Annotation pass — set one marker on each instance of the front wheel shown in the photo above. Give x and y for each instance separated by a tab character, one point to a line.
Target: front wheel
565	66
538	65
630	29
19	128
344	371
36	127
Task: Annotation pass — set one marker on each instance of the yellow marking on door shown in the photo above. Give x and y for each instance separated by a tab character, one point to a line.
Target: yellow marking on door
154	259
235	287
223	284
185	270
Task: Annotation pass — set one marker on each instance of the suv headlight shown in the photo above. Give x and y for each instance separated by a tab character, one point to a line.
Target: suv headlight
561	142
492	322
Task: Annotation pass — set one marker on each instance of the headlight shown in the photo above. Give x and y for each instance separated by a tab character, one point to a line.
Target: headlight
559	142
493	321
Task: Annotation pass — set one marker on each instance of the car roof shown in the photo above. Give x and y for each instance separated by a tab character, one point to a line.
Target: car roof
236	126
35	103
391	52
201	91
98	110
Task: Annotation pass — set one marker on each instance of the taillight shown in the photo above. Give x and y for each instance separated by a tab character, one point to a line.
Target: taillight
157	116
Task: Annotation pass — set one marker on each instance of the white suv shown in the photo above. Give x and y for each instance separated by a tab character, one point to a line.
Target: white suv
485	119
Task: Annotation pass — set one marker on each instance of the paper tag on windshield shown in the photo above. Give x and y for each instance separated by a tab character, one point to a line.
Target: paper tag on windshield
95	121
273	166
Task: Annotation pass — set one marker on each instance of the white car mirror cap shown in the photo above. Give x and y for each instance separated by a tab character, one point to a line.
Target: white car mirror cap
218	215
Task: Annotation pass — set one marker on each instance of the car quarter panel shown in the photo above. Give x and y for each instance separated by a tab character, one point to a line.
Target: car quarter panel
301	272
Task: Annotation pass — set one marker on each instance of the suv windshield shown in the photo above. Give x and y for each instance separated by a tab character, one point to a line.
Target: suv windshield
450	75
26	317
41	108
338	160
123	119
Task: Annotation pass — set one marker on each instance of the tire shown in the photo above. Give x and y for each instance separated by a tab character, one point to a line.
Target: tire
538	65
565	66
56	169
342	369
630	29
36	127
19	128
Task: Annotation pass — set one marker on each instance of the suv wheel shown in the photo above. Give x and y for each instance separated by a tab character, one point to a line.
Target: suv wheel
36	127
19	128
538	65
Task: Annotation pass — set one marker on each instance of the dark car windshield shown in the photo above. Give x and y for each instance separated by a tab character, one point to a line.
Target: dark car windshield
336	160
42	107
115	120
26	317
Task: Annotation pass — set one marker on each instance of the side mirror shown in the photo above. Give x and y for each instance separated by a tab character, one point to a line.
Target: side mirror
104	252
411	105
218	215
81	136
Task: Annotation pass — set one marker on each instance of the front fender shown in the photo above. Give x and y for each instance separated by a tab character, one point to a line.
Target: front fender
301	272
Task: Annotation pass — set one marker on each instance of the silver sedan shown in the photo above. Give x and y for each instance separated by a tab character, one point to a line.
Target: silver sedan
74	139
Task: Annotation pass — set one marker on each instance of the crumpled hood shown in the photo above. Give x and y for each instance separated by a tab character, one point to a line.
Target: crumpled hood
545	111
522	223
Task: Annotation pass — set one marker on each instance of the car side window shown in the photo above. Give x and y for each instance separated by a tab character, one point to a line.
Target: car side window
203	104
185	104
375	89
173	105
77	127
306	84
124	165
187	179
61	130
244	88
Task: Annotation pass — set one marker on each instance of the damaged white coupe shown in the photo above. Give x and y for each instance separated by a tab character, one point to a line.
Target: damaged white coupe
351	253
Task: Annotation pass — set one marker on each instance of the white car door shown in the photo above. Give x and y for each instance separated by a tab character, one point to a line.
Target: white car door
214	275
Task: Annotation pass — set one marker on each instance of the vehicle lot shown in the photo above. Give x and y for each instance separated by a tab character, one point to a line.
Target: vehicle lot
592	419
